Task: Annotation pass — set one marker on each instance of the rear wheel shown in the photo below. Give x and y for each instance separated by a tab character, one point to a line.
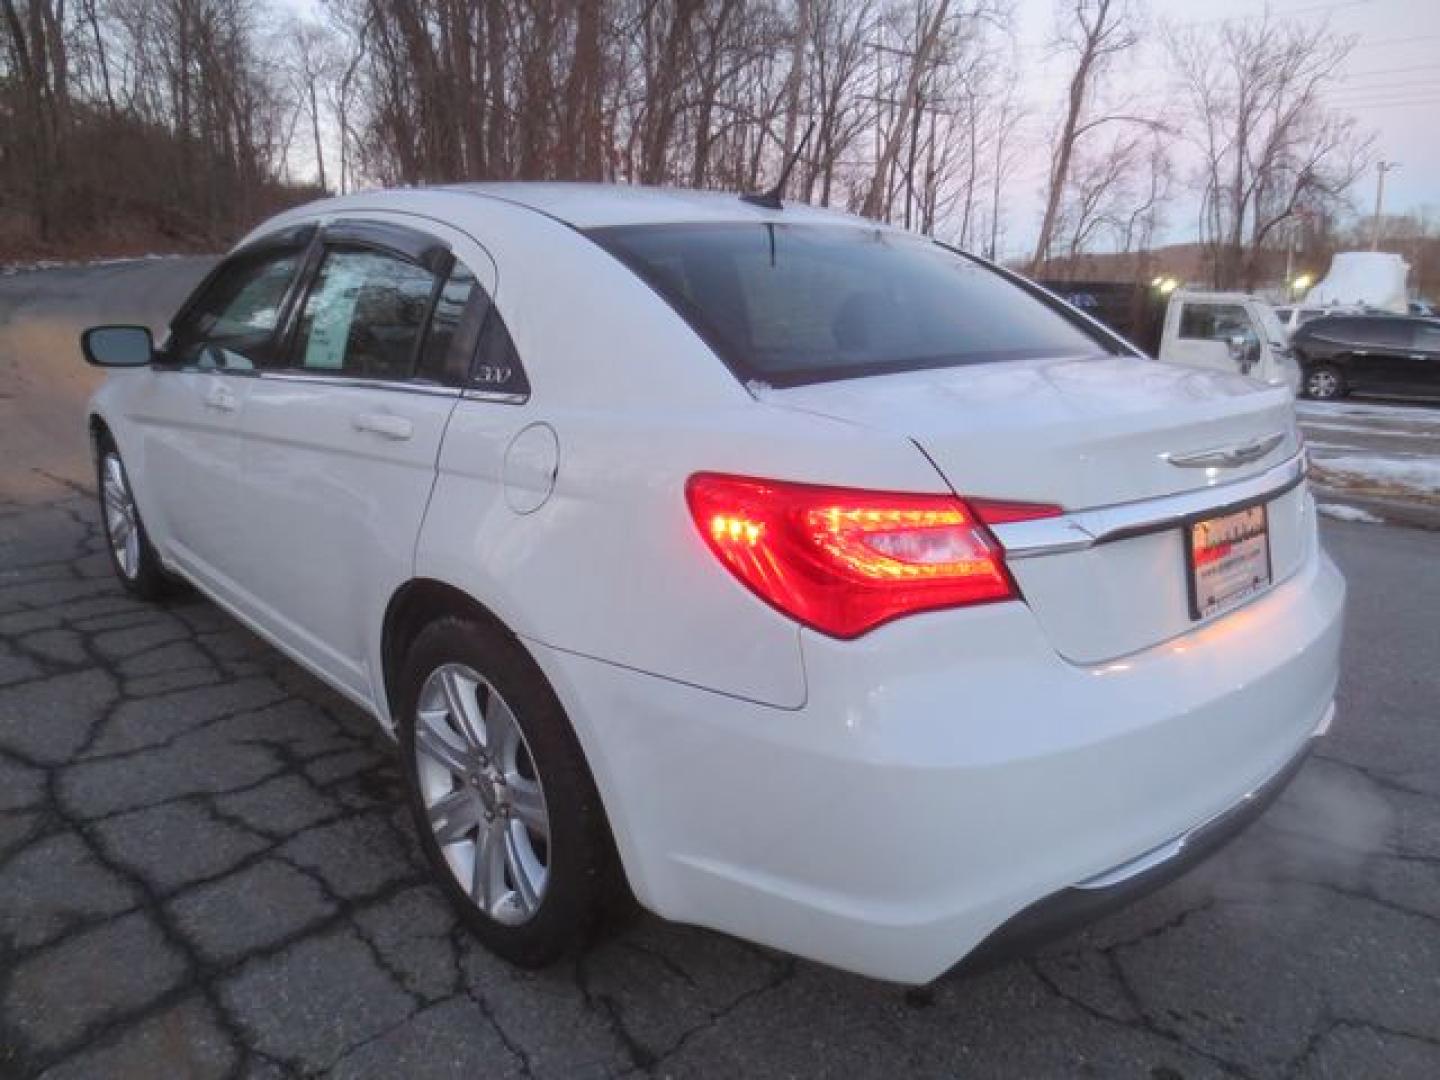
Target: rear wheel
133	557
1323	382
507	813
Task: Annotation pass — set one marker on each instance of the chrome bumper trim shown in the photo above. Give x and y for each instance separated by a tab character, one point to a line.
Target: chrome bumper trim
1083	529
1262	793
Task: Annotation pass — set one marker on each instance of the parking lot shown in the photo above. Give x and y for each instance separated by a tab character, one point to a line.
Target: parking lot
205	869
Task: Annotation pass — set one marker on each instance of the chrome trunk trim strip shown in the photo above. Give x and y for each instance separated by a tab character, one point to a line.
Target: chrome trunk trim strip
1083	529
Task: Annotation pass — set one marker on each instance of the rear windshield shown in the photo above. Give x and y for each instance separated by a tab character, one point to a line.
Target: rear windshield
790	304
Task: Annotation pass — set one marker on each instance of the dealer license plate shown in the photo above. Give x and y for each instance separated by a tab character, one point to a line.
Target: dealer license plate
1229	559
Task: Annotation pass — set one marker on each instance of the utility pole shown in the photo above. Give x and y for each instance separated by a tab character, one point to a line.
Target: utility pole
1381	168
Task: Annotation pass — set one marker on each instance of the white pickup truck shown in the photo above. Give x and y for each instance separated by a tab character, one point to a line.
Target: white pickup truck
1228	332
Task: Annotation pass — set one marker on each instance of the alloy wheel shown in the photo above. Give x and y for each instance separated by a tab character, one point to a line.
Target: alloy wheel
1322	384
121	519
483	799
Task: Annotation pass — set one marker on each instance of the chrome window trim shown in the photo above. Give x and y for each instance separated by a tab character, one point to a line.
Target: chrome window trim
293	375
495	396
1084	529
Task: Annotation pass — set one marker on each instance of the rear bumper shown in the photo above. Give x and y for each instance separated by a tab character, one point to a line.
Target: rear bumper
1088	900
947	772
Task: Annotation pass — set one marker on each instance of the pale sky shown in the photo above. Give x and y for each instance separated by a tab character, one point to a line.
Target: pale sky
1391	85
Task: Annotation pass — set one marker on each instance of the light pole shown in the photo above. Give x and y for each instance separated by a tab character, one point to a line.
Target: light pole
1381	168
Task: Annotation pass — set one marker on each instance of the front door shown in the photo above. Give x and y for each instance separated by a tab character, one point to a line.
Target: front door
189	418
341	440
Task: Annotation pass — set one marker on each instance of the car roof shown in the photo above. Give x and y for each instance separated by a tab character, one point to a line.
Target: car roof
589	206
592	206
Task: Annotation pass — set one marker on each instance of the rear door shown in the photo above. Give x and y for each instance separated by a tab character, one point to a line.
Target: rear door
189	419
342	439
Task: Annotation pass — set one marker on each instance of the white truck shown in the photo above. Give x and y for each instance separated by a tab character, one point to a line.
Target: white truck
1223	331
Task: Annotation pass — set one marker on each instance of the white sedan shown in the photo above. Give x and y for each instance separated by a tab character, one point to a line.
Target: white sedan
814	581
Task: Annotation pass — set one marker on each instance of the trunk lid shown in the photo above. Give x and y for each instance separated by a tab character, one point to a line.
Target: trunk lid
1082	434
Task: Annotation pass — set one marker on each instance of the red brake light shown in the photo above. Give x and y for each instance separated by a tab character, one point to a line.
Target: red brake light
845	561
995	512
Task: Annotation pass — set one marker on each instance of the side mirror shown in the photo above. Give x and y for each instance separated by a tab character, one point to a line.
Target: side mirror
118	346
1241	352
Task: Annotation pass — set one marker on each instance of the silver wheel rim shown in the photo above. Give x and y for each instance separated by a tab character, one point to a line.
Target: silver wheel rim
122	523
483	798
1323	384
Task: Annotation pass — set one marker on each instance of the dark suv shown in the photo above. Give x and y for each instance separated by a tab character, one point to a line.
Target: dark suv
1380	354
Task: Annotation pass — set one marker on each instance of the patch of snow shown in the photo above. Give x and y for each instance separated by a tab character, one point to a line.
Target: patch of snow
1338	449
1345	410
1325	427
8	269
1341	512
1418	473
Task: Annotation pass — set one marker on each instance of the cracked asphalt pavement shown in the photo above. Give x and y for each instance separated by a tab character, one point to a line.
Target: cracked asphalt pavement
205	870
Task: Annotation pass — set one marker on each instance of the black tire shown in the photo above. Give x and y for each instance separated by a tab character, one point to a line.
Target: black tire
582	871
1323	382
139	571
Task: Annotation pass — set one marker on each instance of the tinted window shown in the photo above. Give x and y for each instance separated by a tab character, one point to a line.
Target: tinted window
364	315
231	322
797	303
1427	337
454	328
1389	333
1330	328
497	368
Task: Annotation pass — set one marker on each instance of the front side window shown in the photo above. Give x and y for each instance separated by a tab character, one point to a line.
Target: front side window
364	315
232	322
1388	333
790	304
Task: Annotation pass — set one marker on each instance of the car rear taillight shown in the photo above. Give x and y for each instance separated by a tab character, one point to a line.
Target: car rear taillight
845	561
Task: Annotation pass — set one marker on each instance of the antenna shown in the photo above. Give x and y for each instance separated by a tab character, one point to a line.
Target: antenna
770	200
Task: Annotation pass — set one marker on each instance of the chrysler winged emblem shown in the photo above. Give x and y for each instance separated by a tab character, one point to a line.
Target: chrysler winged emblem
1227	457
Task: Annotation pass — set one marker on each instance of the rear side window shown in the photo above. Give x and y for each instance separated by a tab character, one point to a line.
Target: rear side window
232	321
454	327
789	304
497	368
1215	322
364	315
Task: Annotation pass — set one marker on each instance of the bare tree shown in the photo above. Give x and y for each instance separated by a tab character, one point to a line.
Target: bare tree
1093	32
312	64
1268	145
930	22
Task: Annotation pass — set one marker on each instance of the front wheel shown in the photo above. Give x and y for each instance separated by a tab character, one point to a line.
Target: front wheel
1324	383
507	813
133	557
